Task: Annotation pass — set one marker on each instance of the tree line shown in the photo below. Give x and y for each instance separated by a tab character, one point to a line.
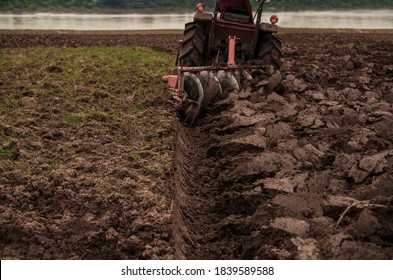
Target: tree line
160	4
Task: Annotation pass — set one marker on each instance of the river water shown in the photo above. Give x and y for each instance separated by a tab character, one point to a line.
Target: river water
358	19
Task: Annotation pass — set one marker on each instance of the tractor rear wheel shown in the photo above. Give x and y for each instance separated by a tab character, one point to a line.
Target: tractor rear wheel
193	45
270	52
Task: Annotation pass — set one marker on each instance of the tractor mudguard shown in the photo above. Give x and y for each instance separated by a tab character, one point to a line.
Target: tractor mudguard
200	16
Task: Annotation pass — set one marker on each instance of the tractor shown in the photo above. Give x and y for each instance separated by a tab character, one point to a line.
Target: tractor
218	49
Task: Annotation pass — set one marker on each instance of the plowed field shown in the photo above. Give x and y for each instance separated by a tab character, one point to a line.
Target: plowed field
298	166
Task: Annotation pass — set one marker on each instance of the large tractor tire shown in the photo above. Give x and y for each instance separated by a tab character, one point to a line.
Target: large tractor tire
270	52
193	45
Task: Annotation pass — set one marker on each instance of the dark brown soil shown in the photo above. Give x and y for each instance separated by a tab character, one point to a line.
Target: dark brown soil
84	163
296	168
159	40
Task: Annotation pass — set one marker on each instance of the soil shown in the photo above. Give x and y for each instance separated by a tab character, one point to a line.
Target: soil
298	167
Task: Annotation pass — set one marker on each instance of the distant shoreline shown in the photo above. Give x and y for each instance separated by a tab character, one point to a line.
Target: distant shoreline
163	10
99	11
283	30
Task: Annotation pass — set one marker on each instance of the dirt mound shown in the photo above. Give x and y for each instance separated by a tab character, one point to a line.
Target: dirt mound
296	168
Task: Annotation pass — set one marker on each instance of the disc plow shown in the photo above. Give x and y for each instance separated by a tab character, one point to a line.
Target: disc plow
219	53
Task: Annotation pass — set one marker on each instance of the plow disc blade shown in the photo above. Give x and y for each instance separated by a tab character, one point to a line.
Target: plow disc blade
200	90
197	91
195	96
228	81
211	87
243	79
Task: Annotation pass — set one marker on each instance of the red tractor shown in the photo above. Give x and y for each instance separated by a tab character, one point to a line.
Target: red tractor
217	49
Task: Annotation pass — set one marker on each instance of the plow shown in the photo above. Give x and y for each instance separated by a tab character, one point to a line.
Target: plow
221	52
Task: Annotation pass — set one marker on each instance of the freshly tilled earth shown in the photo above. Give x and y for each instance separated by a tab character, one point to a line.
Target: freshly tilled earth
297	165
